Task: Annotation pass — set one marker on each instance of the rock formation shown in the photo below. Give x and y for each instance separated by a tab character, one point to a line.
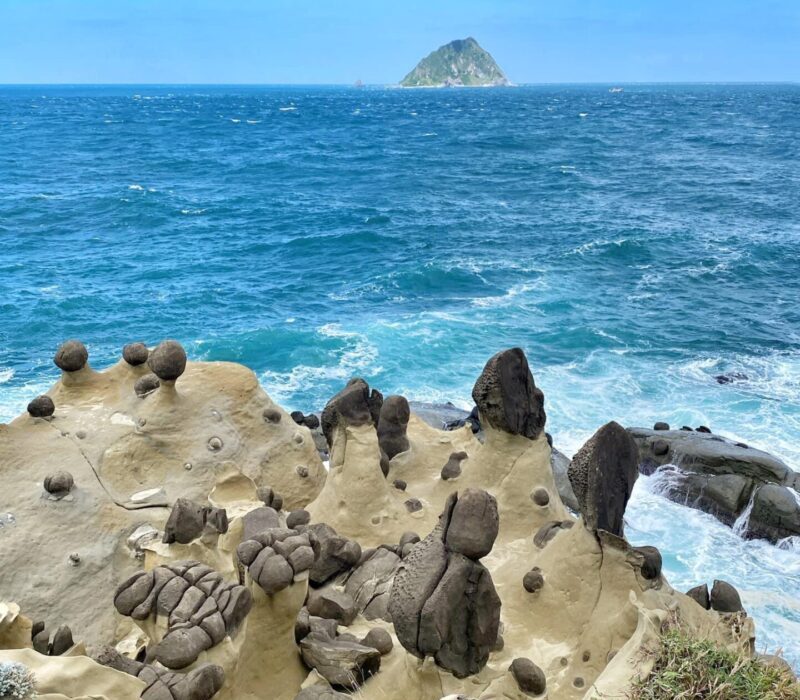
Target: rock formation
189	535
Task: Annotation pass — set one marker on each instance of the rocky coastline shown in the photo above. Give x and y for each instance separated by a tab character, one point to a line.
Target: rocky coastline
174	534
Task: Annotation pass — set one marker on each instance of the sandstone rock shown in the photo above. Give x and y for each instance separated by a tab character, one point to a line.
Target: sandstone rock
602	474
507	396
320	692
135	354
168	360
71	356
549	530
41	407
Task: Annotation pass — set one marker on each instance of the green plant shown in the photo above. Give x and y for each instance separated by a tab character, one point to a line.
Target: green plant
692	669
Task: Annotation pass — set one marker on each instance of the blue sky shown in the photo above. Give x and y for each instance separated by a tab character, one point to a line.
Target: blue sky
377	41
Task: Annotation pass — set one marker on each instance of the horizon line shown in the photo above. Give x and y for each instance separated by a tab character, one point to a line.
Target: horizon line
397	84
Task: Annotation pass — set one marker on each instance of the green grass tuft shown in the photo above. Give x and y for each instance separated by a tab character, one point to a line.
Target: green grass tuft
691	669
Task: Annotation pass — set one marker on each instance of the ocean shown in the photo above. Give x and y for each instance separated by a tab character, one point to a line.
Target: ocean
635	244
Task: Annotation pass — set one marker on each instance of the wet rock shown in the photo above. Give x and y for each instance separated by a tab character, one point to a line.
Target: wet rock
135	354
443	603
507	396
725	598
168	360
775	514
731	377
529	677
602	474
59	483
71	356
660	447
41	407
703	429
452	470
661	426
332	604
392	426
700	595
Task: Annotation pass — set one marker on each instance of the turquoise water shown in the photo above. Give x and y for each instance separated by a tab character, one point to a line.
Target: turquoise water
636	244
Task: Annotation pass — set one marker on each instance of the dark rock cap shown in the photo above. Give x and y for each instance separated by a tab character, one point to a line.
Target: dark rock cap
41	407
60	482
529	677
602	474
507	396
135	354
392	425
700	595
168	360
353	405
146	385
71	356
725	598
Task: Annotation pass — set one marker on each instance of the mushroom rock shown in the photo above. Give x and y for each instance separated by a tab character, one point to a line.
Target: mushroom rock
602	474
41	407
135	354
443	602
189	520
700	595
71	356
168	360
725	598
357	500
392	425
507	397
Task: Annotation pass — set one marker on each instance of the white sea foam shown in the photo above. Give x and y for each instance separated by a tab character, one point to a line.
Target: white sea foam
290	108
138	188
6	375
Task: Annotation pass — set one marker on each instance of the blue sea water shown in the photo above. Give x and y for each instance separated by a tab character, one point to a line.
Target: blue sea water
636	244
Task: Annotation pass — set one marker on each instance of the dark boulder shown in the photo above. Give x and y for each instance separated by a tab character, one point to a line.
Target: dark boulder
335	554
168	360
651	562
529	677
661	426
452	469
602	474
188	520
443	603
332	604
135	354
41	407
354	405
725	598
71	356
775	514
700	595
392	426
378	638
59	483
344	664
146	385
507	396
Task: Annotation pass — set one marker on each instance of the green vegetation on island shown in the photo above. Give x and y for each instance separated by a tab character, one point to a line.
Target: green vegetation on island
461	62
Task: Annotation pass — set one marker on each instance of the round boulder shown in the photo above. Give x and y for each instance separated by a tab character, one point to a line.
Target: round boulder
168	360
378	638
529	677
71	356
59	483
725	598
41	407
135	354
146	385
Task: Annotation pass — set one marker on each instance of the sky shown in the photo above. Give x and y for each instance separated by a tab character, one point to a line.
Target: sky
379	41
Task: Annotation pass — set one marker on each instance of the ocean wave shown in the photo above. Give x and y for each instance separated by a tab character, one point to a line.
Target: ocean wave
6	375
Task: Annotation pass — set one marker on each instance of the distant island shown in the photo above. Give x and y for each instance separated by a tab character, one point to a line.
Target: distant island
460	63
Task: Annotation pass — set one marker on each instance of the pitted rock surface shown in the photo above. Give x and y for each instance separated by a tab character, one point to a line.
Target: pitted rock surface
507	396
201	607
602	474
442	603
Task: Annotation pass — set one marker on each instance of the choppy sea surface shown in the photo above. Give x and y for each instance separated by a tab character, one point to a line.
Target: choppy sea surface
635	244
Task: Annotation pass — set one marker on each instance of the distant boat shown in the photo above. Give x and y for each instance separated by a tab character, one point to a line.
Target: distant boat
358	84
616	89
